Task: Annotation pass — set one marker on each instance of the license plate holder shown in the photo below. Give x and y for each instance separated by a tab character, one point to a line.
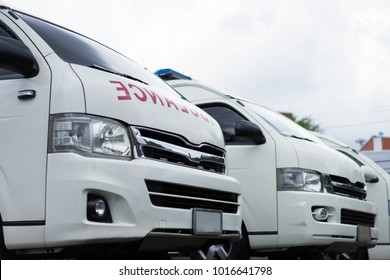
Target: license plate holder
363	233
207	222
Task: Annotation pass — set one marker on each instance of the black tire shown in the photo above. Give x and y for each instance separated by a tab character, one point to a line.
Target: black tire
3	251
244	247
359	254
4	254
215	252
238	250
282	255
297	254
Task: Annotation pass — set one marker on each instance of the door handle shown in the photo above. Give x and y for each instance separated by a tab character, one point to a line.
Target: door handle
26	94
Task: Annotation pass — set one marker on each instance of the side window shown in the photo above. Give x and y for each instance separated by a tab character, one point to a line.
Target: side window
227	118
5	74
6	35
6	32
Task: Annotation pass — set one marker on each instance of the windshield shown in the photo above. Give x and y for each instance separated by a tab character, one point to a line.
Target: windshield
280	123
78	49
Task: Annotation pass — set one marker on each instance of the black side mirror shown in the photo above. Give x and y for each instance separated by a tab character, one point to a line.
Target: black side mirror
369	174
250	131
16	57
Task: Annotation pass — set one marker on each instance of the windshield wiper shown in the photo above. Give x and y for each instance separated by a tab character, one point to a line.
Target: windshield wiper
299	137
117	73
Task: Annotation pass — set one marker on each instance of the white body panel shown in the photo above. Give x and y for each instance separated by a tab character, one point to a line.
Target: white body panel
136	103
24	130
72	176
43	192
275	219
377	192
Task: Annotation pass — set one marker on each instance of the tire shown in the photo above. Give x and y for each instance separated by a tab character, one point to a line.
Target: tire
282	255
215	252
359	254
4	253
239	250
244	247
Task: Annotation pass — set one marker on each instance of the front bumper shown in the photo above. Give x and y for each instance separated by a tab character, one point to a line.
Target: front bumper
297	226
122	183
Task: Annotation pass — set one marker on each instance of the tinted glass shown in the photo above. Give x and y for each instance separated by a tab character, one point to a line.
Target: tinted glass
7	35
78	49
227	118
5	31
280	123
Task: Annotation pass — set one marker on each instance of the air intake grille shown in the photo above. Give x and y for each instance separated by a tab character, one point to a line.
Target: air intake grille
175	149
352	217
342	186
164	194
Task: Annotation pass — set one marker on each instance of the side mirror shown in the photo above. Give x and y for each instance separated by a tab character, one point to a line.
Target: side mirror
250	131
369	174
16	57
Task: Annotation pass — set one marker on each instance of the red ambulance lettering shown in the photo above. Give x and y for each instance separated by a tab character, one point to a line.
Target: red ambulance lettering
196	114
154	96
142	98
122	88
170	102
185	110
143	94
204	117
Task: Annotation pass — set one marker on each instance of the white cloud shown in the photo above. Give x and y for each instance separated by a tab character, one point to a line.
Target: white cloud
316	58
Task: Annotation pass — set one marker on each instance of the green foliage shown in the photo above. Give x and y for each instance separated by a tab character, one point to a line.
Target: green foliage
305	122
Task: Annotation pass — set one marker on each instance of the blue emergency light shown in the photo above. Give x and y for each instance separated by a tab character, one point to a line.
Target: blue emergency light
169	74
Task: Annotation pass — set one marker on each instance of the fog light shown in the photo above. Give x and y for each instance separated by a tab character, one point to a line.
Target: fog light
320	214
97	209
100	207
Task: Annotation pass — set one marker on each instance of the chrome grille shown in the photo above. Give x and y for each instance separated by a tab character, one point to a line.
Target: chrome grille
170	195
342	186
352	217
176	149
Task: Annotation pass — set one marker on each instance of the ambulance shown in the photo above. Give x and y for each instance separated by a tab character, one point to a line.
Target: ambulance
301	199
378	184
99	155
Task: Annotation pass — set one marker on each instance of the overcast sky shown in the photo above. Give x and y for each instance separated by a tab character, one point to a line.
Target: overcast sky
324	59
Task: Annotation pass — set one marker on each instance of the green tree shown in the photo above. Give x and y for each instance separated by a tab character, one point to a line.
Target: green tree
305	122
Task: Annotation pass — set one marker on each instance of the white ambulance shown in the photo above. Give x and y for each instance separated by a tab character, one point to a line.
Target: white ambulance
98	154
378	184
301	199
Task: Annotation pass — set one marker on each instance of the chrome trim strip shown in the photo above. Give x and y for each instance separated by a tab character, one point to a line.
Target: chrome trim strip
193	156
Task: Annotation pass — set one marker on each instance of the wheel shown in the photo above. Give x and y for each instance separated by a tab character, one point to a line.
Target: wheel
4	253
282	255
359	254
215	252
243	252
239	250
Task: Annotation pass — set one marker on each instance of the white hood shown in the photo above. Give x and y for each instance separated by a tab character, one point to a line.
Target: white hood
139	104
317	156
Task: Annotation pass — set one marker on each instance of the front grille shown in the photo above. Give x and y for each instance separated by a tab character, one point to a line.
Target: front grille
172	148
352	217
170	195
342	186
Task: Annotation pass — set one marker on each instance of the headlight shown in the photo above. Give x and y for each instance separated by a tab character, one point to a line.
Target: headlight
295	179
89	136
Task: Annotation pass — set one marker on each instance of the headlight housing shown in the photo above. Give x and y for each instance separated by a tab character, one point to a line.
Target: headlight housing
90	136
297	179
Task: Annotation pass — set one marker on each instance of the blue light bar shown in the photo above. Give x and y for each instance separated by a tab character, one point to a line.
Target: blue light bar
169	74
